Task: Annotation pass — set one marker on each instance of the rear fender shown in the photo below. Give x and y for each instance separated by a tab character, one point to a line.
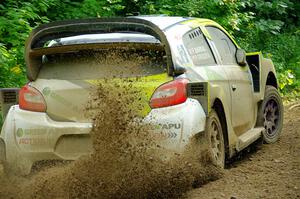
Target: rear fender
261	68
267	70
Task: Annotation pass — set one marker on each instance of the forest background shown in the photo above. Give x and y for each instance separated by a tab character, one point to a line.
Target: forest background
271	27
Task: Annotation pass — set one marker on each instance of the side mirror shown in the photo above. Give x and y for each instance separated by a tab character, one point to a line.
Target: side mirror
240	56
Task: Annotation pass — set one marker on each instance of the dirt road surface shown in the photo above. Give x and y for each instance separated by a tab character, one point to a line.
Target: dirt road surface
271	171
267	171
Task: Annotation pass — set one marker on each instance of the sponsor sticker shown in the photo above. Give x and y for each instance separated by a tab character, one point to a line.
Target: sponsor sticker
32	136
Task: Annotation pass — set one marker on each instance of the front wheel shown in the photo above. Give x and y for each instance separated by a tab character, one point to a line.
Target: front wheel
270	115
215	138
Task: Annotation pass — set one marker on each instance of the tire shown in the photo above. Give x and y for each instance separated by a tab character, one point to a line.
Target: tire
270	115
215	139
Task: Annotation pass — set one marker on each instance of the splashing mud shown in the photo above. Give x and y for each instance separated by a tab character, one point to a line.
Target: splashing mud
125	163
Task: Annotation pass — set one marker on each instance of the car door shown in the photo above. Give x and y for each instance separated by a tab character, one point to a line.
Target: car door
239	78
205	67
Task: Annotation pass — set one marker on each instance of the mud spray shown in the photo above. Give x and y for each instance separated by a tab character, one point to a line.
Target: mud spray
125	163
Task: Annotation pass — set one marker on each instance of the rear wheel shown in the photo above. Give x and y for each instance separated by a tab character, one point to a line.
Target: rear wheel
215	139
270	115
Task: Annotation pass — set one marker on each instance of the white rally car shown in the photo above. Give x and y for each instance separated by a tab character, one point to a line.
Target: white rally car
199	81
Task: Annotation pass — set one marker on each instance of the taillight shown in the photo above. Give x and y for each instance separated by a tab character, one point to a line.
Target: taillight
169	94
31	99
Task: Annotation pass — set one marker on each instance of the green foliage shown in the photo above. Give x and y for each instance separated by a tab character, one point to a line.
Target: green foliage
284	50
270	26
16	21
12	72
70	9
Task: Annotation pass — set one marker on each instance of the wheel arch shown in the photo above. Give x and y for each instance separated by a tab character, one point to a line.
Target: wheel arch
219	108
272	80
268	75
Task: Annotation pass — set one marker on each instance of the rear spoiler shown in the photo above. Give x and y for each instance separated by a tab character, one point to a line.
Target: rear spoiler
35	44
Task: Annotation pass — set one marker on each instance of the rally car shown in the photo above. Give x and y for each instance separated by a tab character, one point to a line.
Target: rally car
196	81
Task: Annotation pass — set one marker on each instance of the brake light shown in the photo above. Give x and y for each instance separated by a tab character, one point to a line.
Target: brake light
31	99
169	94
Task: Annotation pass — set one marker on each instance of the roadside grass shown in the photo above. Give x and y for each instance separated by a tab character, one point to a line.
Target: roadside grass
291	97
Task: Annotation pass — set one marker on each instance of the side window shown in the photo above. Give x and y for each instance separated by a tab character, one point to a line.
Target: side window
198	48
224	45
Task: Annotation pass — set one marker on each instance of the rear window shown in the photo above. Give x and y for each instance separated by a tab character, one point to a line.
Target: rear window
103	63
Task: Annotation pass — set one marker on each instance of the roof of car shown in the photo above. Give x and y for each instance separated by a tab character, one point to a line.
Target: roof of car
164	22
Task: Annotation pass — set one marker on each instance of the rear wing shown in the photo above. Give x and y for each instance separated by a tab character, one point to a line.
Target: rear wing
35	44
8	98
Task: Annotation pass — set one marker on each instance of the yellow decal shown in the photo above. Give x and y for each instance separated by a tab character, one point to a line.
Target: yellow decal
205	32
208	98
163	77
144	85
194	23
253	53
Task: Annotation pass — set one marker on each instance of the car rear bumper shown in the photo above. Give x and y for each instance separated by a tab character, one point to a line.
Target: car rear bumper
177	124
30	137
